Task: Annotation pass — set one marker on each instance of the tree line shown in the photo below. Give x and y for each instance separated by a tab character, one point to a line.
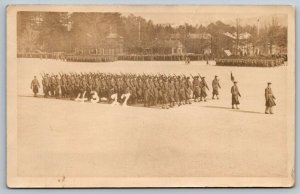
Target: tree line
63	32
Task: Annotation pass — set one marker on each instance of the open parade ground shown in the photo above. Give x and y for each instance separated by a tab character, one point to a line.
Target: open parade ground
204	138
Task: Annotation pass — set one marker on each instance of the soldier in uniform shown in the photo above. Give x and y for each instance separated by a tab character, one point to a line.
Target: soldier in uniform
140	90
188	90
235	95
57	85
35	85
155	91
215	86
203	86
46	85
146	92
171	93
63	86
177	88
196	89
182	94
165	89
269	100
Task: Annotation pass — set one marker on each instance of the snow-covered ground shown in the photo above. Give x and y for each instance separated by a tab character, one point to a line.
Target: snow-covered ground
202	139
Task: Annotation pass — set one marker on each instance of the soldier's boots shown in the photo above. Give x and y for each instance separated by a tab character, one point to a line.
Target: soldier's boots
269	110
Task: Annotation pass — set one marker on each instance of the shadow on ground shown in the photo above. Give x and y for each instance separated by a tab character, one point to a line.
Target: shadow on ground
228	108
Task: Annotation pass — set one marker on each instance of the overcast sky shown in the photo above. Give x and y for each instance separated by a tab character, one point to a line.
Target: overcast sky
176	19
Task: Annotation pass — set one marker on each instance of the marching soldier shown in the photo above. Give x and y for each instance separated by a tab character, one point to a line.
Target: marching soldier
57	86
188	91
146	92
196	89
35	85
182	93
177	88
46	85
269	100
171	93
203	86
235	95
215	86
165	92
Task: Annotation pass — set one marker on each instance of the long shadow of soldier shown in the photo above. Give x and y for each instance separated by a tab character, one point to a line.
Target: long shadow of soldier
239	110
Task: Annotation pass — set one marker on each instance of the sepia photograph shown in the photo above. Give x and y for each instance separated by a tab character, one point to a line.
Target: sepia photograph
150	96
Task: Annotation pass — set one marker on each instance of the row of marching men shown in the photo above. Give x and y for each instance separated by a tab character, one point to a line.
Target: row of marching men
150	90
166	91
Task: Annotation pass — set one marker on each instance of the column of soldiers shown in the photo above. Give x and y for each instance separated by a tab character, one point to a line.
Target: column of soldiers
249	62
149	90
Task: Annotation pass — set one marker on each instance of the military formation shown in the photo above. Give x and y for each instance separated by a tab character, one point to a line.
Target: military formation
162	90
149	90
249	62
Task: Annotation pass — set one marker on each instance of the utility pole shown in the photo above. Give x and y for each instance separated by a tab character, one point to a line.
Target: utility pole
211	46
139	30
237	36
257	36
258	27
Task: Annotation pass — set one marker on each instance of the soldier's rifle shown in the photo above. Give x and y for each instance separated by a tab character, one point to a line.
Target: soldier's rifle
199	75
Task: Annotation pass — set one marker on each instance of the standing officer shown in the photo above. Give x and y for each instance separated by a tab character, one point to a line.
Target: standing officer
215	86
269	99
35	86
235	95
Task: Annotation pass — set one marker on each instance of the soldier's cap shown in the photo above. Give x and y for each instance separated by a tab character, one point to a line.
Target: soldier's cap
216	76
235	82
269	83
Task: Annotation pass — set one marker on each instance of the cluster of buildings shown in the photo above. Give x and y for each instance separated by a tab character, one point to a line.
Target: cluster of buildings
192	44
113	44
243	45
